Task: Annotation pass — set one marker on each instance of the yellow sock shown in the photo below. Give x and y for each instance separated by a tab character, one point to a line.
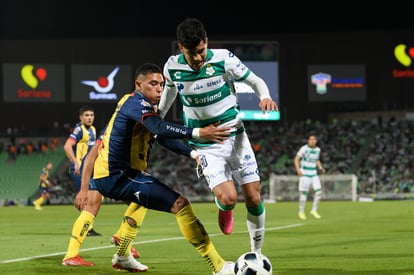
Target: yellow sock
132	207
79	232
194	232
39	201
129	231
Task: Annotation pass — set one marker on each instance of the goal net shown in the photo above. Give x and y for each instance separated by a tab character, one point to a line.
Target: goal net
334	187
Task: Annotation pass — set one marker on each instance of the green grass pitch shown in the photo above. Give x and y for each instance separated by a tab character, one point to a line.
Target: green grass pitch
351	238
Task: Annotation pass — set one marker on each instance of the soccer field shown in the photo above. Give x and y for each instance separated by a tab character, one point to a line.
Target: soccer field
351	238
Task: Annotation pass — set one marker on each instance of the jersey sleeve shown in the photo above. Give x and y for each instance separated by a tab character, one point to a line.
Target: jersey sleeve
235	67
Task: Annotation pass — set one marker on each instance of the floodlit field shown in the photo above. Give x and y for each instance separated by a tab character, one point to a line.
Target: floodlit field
351	238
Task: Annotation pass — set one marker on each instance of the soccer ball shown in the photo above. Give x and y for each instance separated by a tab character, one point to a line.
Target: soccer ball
253	263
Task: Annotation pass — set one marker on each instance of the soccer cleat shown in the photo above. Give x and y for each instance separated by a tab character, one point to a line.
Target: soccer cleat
225	220
92	233
227	269
302	216
127	263
315	214
76	261
116	241
38	207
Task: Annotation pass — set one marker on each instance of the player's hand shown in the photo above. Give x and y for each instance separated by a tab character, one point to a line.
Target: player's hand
267	105
199	168
81	200
76	172
213	133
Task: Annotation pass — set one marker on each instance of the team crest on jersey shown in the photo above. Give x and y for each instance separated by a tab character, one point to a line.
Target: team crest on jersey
77	130
145	103
210	70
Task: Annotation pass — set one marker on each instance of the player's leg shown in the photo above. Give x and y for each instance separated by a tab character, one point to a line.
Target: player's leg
218	174
38	203
317	189
116	238
247	176
77	180
125	188
195	233
80	230
158	196
304	184
225	198
123	259
256	215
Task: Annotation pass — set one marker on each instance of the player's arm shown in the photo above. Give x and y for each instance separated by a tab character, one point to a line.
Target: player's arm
320	167
68	148
162	128
262	92
167	99
81	199
177	146
296	161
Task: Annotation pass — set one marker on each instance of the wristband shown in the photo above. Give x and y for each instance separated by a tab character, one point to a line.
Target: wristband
193	154
196	133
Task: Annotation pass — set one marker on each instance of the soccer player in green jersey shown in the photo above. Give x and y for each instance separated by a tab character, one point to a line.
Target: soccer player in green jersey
204	80
307	164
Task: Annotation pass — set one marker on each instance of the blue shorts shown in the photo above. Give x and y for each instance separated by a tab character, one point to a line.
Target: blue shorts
138	187
43	188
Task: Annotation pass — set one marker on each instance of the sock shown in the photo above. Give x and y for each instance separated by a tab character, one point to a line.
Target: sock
256	217
316	199
195	233
132	207
222	207
39	201
130	231
79	232
302	201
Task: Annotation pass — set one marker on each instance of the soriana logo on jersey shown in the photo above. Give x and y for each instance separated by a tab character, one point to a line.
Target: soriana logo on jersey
33	83
100	82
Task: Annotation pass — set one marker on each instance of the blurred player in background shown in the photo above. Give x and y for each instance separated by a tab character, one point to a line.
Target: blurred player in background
77	145
307	164
204	79
118	163
43	186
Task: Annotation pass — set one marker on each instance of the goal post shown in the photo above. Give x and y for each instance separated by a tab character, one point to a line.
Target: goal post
334	187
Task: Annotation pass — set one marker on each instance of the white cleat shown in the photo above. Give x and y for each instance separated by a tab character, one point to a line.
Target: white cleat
127	263
227	269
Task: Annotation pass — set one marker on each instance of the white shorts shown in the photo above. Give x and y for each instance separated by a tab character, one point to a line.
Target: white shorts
306	182
232	160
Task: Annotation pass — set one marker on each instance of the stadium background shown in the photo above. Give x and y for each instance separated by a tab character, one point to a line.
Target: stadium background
127	32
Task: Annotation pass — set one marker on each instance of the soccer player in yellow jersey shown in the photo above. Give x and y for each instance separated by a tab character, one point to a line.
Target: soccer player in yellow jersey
119	159
43	186
77	145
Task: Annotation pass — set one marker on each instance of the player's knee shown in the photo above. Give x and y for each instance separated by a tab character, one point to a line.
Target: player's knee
179	204
253	199
227	200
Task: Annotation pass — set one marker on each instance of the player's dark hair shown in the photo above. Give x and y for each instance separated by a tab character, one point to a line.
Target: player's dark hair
85	108
191	32
147	68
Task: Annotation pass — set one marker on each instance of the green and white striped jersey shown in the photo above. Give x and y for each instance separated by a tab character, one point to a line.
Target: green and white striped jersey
208	95
308	158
